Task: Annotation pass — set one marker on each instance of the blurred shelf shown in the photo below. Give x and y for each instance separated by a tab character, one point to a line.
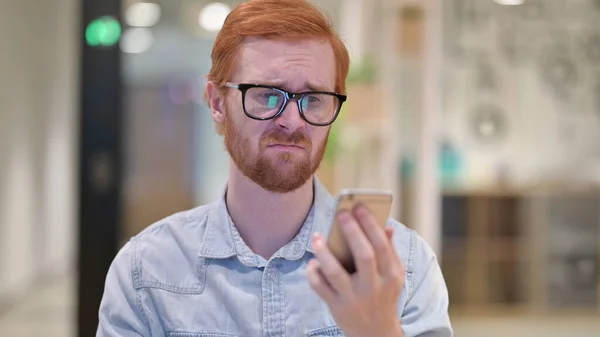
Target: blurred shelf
499	311
537	253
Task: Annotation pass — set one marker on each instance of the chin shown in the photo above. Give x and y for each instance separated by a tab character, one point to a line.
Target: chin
283	185
290	165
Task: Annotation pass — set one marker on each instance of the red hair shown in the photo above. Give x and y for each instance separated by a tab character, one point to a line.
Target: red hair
274	19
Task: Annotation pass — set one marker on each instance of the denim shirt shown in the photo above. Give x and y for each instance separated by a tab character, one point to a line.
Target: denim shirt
191	274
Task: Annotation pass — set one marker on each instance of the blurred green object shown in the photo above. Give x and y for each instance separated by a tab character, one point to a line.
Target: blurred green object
333	143
451	164
104	31
364	71
407	167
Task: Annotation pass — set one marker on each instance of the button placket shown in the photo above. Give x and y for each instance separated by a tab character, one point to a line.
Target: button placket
273	302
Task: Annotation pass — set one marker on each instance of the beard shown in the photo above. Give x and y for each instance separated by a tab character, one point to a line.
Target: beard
286	171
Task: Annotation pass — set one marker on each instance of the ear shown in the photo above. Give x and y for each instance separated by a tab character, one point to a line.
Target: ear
215	102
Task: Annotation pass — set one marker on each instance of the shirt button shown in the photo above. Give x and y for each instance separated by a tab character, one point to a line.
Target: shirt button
271	276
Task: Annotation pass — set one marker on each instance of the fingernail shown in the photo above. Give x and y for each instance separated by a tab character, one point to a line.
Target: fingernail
361	210
344	216
316	239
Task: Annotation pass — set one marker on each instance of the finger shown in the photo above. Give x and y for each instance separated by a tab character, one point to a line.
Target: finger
360	247
318	282
389	232
330	267
382	246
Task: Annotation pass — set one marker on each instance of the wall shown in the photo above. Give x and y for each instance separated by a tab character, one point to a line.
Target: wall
38	167
538	64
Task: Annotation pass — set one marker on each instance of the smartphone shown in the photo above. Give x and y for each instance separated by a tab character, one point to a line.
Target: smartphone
379	202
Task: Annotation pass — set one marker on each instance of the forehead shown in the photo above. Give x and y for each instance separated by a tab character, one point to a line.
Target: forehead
294	65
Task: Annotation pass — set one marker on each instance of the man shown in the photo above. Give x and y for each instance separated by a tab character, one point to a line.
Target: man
255	262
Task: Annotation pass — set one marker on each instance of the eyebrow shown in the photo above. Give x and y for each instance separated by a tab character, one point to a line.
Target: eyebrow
310	86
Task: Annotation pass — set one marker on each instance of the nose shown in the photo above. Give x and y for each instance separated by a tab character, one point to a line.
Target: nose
290	118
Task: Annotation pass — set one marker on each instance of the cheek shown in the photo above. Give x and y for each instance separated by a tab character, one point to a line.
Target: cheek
251	131
319	135
235	117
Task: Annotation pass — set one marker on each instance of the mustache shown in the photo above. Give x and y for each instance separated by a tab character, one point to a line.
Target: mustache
297	138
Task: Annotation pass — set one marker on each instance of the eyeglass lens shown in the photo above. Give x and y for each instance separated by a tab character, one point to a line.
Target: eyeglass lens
266	103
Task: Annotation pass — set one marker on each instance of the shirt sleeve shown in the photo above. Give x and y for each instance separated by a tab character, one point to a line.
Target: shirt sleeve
426	310
120	309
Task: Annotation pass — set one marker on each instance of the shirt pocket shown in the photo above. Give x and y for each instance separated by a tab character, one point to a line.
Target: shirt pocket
198	334
332	331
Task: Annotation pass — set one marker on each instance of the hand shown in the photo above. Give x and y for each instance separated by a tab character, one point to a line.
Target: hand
366	302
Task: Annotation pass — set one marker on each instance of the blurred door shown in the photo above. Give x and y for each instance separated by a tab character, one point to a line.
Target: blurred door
159	157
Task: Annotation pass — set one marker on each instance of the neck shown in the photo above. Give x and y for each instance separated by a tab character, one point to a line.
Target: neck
266	220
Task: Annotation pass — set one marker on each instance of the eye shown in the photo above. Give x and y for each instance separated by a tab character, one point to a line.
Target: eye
266	98
312	102
314	99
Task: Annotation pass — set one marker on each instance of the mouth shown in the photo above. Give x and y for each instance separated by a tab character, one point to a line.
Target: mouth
288	147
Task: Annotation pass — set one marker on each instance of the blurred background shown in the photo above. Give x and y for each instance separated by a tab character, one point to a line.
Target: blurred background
483	116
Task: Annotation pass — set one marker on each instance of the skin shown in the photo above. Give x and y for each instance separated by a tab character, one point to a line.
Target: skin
364	303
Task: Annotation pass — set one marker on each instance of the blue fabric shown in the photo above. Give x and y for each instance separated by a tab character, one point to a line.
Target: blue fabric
191	274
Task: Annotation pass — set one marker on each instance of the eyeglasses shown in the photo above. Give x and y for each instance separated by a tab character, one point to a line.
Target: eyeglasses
263	102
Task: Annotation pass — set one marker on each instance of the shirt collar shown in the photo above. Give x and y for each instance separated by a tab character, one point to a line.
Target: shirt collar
222	240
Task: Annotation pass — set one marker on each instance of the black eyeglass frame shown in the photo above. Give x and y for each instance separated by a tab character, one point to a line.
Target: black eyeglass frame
287	97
